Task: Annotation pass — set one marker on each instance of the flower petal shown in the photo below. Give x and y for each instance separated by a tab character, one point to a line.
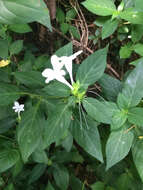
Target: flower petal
56	63
47	73
16	103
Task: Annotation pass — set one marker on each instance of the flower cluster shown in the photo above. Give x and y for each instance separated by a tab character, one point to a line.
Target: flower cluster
57	72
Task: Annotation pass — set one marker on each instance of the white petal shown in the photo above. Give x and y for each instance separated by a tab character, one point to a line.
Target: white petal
47	72
75	54
56	63
63	80
16	103
62	72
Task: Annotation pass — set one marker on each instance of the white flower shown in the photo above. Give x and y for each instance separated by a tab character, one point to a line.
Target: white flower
57	72
17	107
67	62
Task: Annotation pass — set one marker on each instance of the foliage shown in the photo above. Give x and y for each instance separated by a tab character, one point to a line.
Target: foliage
67	125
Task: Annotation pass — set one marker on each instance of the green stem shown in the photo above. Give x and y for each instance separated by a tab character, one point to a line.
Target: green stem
7	138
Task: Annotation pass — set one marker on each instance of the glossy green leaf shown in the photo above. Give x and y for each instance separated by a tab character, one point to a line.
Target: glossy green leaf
109	28
16	47
107	82
137	152
31	79
138	48
8	157
8	94
92	68
135	116
133	88
29	131
20	28
87	136
102	8
61	177
132	15
100	111
57	123
118	146
118	119
21	12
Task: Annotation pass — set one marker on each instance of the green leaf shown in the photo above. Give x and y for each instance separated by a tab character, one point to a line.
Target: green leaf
102	8
137	152
3	49
6	123
132	15
60	15
118	146
125	52
8	157
92	68
138	4
21	12
124	182
138	48
36	172
57	123
66	50
16	47
10	187
107	82
40	156
87	136
73	30
136	61
133	88
32	79
118	119
49	187
109	28
29	131
100	111
64	27
8	94
57	88
136	32
135	116
98	186
70	15
68	142
61	177
20	28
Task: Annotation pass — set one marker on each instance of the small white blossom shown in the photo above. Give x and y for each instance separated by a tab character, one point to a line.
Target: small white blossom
18	108
57	72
